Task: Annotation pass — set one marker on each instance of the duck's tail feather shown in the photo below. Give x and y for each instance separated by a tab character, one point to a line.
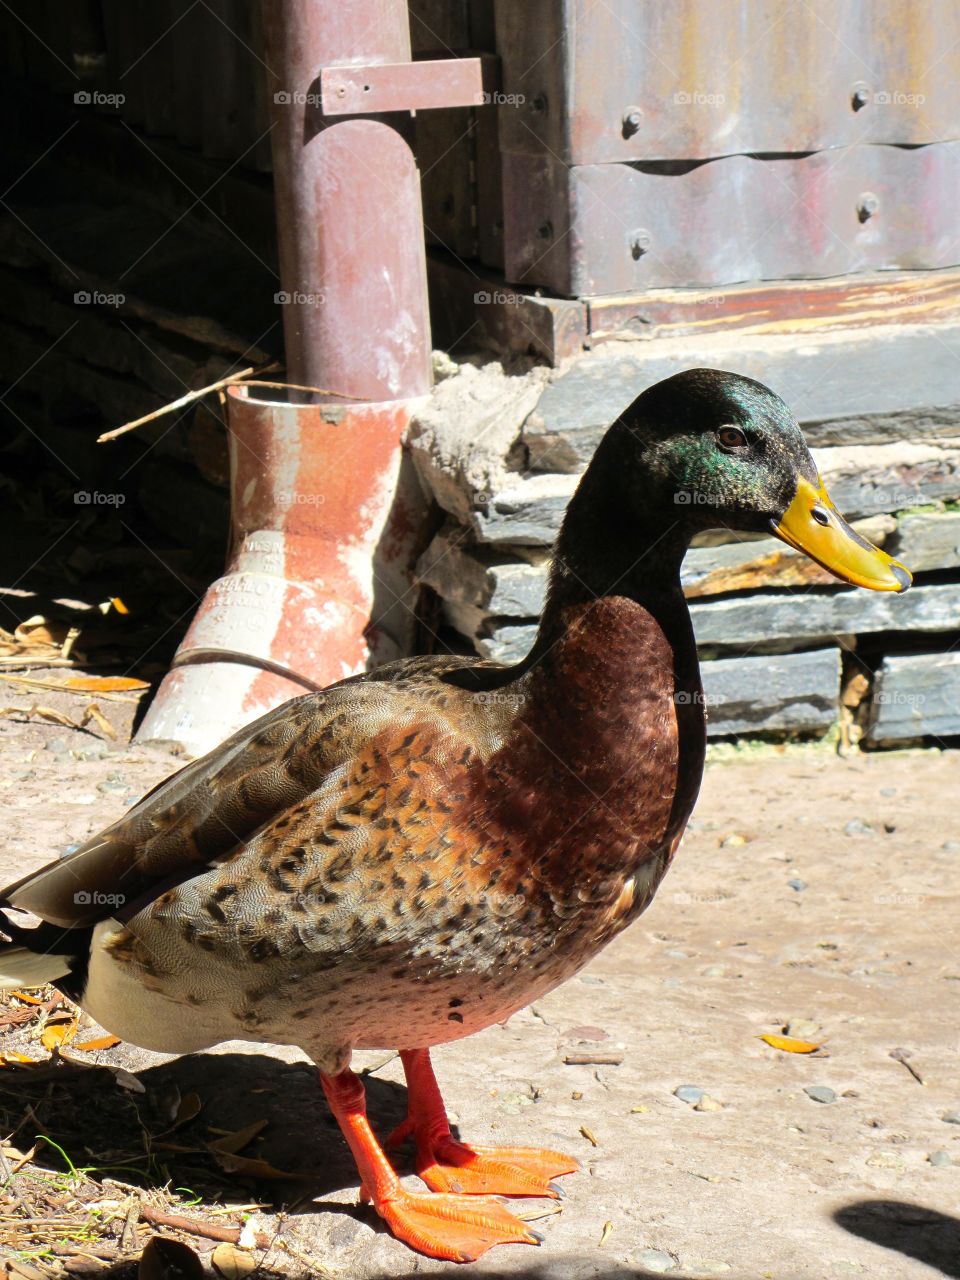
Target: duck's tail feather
34	957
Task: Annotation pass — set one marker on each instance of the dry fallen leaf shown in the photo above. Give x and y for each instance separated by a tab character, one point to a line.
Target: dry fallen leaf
232	1263
94	713
187	1110
168	1259
249	1167
790	1044
56	1034
104	684
27	999
10	1059
40	630
100	1042
230	1143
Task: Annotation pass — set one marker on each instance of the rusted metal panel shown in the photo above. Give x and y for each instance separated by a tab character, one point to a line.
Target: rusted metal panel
784	307
616	228
625	80
405	86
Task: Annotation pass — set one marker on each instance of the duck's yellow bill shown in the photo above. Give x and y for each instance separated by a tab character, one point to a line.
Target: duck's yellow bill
813	525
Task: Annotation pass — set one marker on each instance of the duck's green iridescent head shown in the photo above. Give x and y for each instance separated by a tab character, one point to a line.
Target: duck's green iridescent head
709	448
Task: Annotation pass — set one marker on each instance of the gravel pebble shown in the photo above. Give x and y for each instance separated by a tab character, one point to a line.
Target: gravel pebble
707	1103
939	1158
91	751
884	1160
951	846
857	827
656	1260
797	885
802	1029
819	1093
950	1117
57	745
689	1093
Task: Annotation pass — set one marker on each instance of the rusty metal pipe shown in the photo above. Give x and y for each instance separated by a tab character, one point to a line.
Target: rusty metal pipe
325	515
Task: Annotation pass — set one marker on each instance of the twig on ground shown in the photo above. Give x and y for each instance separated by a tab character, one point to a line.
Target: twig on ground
194	1227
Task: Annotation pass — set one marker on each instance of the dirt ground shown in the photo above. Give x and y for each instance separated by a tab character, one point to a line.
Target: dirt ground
810	890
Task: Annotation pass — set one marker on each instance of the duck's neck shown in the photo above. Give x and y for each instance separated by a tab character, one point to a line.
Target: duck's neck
603	555
611	721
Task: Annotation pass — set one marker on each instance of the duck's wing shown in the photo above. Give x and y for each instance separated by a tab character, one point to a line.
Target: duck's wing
214	805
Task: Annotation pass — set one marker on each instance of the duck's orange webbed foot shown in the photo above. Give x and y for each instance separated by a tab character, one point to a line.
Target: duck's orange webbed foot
455	1228
447	1165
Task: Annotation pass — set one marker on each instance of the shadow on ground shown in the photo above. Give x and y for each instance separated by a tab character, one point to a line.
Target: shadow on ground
924	1234
116	1132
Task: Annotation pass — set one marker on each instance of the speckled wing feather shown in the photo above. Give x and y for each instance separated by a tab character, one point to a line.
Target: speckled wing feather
213	806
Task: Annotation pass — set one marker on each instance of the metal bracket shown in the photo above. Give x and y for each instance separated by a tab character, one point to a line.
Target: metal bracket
375	88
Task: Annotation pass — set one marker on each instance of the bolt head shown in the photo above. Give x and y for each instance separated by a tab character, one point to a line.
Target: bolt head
867	206
860	97
640	242
631	122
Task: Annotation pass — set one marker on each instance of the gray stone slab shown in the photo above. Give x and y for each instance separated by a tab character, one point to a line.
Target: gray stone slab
476	583
863	480
840	393
925	542
782	620
792	692
916	696
803	616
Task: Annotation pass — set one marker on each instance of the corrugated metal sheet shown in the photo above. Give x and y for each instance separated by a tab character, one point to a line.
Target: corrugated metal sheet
597	229
641	80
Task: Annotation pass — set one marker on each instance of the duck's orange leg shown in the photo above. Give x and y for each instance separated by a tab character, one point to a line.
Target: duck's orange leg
451	1166
452	1227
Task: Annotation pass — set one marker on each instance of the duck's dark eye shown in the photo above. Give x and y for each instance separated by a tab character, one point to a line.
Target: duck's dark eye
731	438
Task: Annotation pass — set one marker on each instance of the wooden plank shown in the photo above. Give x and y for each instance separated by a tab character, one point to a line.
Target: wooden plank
478	309
916	697
445	157
785	306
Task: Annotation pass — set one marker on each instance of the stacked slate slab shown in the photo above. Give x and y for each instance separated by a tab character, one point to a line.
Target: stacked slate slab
780	640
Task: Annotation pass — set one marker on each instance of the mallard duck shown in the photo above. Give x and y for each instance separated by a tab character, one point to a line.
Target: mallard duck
416	853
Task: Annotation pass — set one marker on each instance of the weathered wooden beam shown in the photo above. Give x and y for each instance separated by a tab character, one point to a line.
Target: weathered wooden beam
916	697
474	310
802	307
